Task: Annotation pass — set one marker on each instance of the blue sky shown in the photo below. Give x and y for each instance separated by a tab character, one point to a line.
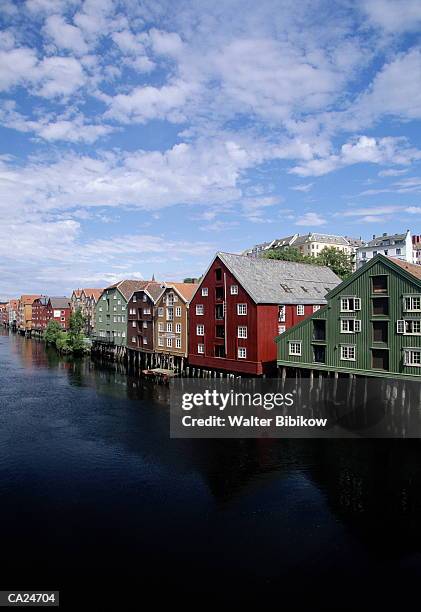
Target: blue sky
141	137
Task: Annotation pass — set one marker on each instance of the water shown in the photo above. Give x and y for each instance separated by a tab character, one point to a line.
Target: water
94	493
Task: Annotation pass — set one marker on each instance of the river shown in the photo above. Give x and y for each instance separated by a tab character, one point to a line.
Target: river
94	493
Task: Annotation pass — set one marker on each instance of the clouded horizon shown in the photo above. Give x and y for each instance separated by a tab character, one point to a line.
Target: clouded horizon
140	137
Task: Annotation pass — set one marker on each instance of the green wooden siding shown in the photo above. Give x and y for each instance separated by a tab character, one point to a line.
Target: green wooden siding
399	284
112	309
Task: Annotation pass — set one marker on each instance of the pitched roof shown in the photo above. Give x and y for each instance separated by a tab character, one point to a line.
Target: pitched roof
95	293
77	292
154	289
43	300
378	240
186	290
326	238
413	269
128	287
270	281
60	302
28	299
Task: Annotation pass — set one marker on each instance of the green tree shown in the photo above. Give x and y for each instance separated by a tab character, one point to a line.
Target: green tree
289	254
52	332
76	338
63	343
338	261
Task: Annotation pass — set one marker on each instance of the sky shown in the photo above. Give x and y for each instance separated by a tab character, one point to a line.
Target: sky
141	137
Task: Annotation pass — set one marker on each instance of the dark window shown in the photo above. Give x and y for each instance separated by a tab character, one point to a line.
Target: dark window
219	311
219	350
379	284
380	331
219	293
218	274
380	359
319	329
380	306
319	353
220	331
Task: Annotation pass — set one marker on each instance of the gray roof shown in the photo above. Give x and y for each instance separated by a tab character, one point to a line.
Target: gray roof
327	238
271	281
378	240
60	302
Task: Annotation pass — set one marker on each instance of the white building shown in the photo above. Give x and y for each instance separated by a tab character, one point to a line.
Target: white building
393	245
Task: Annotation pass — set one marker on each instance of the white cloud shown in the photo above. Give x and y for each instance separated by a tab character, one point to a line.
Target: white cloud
65	35
311	219
305	187
393	16
16	66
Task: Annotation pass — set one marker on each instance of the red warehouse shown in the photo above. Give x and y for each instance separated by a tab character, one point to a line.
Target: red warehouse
243	303
59	309
40	313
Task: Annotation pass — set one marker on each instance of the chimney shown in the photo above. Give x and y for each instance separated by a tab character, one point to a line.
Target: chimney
384	233
374	236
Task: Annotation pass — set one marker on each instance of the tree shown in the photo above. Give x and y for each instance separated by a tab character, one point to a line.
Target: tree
52	332
338	261
289	254
76	338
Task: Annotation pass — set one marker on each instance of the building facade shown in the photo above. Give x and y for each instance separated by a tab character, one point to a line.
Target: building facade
40	314
24	314
243	303
391	245
371	325
416	249
4	314
59	310
172	319
111	312
86	300
141	317
12	313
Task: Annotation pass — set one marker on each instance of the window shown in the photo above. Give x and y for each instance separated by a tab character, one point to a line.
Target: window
178	311
201	349
281	314
178	343
219	350
119	302
160	327
350	304
133	339
295	348
114	297
219	311
145	341
218	274
146	311
281	329
219	293
412	357
145	324
134	299
169	342
242	352
380	359
300	310
350	326
380	331
316	307
234	289
178	328
220	331
123	334
205	293
398	251
100	319
200	330
348	352
241	331
381	306
409	328
412	303
160	312
319	329
241	309
379	284
114	308
123	319
115	319
144	298
169	327
160	341
199	309
133	323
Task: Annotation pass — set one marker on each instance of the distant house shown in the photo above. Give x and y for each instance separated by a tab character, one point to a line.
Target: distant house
243	303
86	300
141	317
172	319
12	313
390	245
111	312
4	314
40	313
59	309
24	314
370	326
416	250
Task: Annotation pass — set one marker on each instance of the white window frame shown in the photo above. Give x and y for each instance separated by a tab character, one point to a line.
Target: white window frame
316	307
200	310
200	330
408	357
201	349
345	326
295	344
205	292
169	327
178	328
242	332
145	324
411	299
178	311
352	303
242	310
145	340
281	329
403	325
178	343
169	342
345	350
160	341
160	311
161	327
300	310
234	290
133	323
242	352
